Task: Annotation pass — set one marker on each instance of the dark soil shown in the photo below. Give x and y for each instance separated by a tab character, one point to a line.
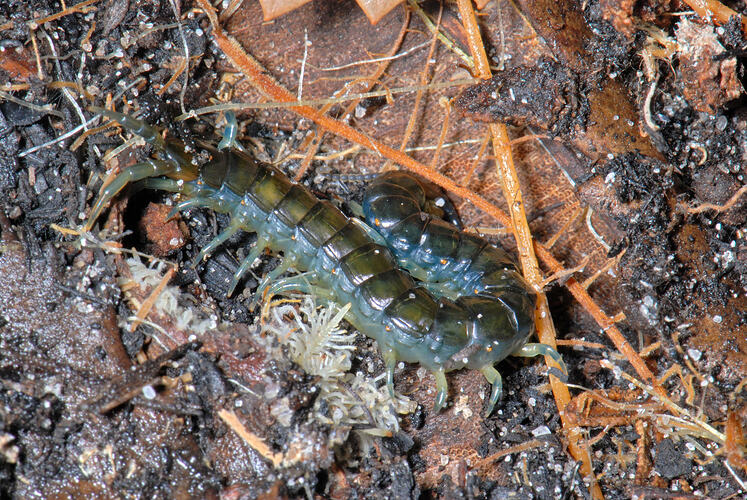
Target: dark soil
94	405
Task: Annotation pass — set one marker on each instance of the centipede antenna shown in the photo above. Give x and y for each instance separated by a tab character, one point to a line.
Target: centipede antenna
351	177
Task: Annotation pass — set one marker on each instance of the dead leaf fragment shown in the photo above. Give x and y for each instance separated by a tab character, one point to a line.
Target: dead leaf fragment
276	8
707	82
18	63
374	9
164	235
620	14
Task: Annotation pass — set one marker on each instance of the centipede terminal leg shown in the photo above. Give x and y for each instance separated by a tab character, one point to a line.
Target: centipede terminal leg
496	381
442	390
535	349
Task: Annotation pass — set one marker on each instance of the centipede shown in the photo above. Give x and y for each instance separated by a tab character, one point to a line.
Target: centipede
424	289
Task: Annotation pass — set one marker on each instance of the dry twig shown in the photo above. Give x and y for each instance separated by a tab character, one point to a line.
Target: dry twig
524	241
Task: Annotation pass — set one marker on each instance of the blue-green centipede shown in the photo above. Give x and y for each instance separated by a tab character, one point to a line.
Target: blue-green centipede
425	291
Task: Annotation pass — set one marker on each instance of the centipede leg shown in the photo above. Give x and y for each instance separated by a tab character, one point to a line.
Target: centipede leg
494	377
184	205
172	186
442	388
303	283
230	132
532	350
255	252
356	209
233	228
270	278
390	360
438	289
160	184
137	172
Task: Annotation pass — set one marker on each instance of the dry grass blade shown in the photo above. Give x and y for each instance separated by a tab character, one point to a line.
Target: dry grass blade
383	64
151	300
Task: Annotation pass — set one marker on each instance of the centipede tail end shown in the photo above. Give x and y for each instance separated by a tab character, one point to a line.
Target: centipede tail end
490	313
